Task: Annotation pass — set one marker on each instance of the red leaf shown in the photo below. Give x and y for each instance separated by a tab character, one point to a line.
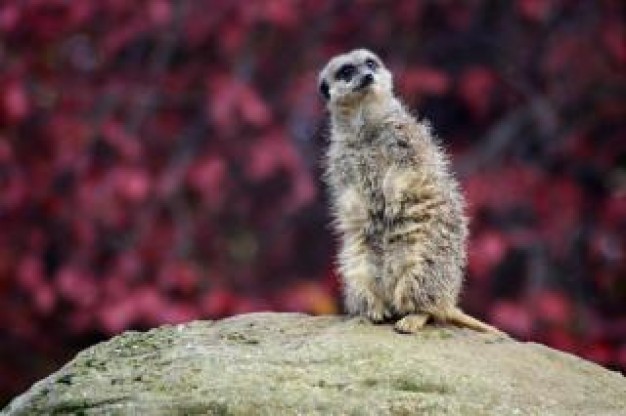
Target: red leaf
76	286
562	340
149	302
599	352
175	313
6	152
535	10
30	274
45	300
125	143
613	36
282	13
116	317
253	109
132	184
9	17
424	81
553	307
218	303
209	177
230	98
179	276
476	87
15	102
486	251
512	317
270	153
159	11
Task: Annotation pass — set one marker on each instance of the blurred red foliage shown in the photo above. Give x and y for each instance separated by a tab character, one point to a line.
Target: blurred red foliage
159	162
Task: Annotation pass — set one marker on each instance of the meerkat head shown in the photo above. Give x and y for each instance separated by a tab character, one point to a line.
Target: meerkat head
353	78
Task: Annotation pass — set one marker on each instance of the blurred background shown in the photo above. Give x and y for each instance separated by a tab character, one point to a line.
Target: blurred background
160	162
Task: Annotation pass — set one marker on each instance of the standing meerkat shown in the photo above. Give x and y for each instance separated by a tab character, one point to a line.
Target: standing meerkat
397	207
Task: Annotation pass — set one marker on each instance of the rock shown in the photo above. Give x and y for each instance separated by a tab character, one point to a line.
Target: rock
282	364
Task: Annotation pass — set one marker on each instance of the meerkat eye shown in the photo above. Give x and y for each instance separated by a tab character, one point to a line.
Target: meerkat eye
346	72
371	64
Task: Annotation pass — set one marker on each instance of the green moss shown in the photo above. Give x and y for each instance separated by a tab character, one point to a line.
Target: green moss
407	384
66	379
370	382
445	334
239	338
497	340
95	363
335	386
82	406
217	409
436	332
133	344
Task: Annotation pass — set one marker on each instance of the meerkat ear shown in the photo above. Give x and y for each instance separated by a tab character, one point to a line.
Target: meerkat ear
325	90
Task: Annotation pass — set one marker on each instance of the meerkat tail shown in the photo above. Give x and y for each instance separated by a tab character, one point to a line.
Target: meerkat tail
459	318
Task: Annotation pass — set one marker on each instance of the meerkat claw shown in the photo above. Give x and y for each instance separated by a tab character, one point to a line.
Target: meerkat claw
378	315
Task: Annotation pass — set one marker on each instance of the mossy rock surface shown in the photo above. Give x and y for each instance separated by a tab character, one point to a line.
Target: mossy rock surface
288	364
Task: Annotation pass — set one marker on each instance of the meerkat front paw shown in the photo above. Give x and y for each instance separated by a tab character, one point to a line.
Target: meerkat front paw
395	184
403	297
363	301
377	313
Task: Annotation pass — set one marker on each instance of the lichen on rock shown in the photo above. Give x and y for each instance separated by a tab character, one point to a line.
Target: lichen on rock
279	363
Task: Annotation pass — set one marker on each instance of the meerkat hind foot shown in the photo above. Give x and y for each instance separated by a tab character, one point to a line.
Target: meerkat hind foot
412	323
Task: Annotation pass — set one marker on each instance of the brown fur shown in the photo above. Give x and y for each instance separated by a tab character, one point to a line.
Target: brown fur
397	207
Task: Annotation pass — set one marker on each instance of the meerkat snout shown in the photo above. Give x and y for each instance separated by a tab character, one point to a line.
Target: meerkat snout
366	81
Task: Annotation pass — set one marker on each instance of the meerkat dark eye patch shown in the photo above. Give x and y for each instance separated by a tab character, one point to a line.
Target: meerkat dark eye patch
371	64
325	90
346	72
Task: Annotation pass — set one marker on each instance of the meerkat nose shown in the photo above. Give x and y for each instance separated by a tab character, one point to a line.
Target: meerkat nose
367	80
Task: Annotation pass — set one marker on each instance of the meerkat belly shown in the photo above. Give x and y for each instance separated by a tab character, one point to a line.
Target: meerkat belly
371	169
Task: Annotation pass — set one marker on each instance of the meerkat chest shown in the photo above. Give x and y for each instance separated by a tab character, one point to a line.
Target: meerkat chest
362	166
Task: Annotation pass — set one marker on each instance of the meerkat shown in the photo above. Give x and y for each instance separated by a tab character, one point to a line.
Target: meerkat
397	207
